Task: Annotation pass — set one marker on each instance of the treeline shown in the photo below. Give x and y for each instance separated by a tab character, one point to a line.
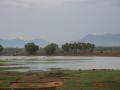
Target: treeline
78	47
51	49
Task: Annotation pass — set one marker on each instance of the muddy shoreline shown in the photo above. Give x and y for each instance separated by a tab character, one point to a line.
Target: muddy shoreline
48	57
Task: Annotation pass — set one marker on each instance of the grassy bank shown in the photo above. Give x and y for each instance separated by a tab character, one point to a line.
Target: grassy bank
74	80
92	80
98	51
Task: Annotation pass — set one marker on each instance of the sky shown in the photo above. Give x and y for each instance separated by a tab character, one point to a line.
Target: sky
58	20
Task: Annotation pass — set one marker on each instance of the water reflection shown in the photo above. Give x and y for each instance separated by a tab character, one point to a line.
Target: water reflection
82	64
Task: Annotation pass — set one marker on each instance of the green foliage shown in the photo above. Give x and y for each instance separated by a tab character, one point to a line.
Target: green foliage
51	48
31	48
78	47
1	48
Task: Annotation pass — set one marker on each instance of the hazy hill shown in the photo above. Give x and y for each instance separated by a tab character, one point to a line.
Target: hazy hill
103	40
19	43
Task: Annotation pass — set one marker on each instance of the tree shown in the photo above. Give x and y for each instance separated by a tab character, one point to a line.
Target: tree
51	48
77	47
31	48
1	48
92	47
65	47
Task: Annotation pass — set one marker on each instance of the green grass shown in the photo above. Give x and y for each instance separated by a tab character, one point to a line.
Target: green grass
7	78
92	80
75	80
12	68
2	62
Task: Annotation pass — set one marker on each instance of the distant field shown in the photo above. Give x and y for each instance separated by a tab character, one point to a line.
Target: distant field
107	49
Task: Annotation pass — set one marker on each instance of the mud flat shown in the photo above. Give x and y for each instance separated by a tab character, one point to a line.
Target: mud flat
43	57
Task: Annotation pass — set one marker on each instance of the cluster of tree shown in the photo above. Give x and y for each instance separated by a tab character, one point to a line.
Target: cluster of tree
78	47
1	48
75	48
51	49
31	48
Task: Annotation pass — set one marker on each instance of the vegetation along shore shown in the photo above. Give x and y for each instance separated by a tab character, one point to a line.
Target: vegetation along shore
67	49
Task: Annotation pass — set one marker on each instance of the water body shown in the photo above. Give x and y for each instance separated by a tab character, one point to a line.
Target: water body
86	63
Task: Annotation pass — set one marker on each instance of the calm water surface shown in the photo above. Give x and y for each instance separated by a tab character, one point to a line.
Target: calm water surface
78	64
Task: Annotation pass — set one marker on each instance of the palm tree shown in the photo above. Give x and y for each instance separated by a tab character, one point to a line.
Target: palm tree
76	47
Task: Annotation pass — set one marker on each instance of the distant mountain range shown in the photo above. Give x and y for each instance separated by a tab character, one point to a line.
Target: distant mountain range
19	43
103	40
98	40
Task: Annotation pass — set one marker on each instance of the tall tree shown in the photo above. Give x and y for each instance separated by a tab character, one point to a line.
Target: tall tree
51	48
77	47
31	48
1	48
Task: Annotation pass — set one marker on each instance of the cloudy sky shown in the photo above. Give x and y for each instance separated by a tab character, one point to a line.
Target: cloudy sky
58	20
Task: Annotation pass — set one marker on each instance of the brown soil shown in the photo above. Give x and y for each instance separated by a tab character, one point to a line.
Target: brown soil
32	81
96	53
2	81
102	85
110	54
14	85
